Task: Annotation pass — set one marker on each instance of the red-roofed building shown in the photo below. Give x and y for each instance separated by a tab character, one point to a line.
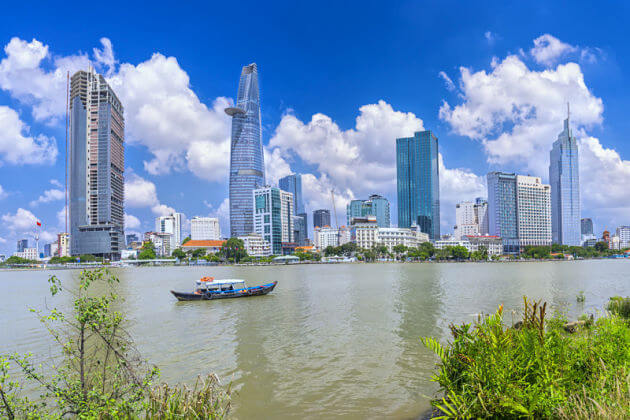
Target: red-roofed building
211	246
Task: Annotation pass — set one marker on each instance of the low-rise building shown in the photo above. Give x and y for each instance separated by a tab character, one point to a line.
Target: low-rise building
211	246
128	254
409	237
364	232
28	254
493	244
161	243
256	246
623	232
325	237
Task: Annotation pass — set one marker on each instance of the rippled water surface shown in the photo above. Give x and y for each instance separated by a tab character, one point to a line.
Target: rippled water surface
329	341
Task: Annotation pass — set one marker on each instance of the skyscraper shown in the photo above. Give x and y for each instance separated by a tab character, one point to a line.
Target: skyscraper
321	218
247	167
519	210
586	226
22	244
273	216
418	182
293	184
375	205
204	228
565	189
172	225
502	210
97	164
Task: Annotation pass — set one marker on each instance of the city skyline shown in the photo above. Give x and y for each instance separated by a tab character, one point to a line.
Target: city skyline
178	136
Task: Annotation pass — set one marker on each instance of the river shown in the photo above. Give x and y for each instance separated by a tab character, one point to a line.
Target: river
330	341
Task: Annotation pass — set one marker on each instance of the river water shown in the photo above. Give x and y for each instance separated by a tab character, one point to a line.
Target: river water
330	341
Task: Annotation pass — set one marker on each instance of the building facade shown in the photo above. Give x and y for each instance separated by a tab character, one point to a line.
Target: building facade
321	218
364	232
247	166
565	189
273	216
63	245
409	237
255	245
324	237
22	244
132	237
172	225
502	210
623	232
96	170
375	205
293	184
586	227
28	254
534	211
205	228
418	186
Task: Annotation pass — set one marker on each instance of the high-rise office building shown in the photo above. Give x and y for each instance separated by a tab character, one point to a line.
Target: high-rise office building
534	211
418	182
247	167
273	216
586	226
172	225
321	218
471	218
375	205
565	189
205	229
97	164
293	184
502	210
22	244
519	210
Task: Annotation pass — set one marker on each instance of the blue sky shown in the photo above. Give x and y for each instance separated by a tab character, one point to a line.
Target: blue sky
339	82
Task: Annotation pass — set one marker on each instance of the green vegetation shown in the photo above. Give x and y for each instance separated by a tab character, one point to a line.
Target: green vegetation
536	369
557	251
18	260
308	256
179	254
619	306
147	252
233	250
62	260
580	297
101	375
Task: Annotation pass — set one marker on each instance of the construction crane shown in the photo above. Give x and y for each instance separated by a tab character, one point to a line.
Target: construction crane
332	196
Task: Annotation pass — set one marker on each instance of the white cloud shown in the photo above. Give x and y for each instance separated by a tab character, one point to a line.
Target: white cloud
18	147
275	166
56	183
448	82
131	221
3	193
48	196
164	114
105	56
142	193
21	220
548	49
517	112
23	75
223	214
490	37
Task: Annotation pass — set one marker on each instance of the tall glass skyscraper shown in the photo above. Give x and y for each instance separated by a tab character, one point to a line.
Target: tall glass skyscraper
418	182
502	209
247	166
565	189
321	218
375	205
97	164
293	184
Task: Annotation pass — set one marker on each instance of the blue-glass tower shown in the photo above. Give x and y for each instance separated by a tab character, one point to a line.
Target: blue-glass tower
376	206
502	209
293	184
247	167
565	189
418	182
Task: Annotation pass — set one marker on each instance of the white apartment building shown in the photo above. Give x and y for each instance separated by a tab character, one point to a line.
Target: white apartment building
324	237
345	235
205	228
273	216
533	211
172	225
471	218
364	232
493	244
161	243
255	245
28	254
623	232
63	245
411	238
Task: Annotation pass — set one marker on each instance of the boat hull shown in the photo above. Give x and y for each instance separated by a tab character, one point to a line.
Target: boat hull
228	294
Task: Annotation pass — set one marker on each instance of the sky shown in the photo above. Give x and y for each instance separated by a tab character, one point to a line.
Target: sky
340	81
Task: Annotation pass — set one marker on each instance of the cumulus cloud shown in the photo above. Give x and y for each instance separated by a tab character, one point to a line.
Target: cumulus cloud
18	147
131	221
105	56
517	112
48	196
140	193
448	82
3	193
548	49
164	114
21	220
25	75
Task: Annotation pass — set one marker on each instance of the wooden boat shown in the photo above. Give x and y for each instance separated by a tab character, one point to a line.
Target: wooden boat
210	289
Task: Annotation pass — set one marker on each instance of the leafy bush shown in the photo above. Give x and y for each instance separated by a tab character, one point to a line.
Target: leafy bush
619	306
535	369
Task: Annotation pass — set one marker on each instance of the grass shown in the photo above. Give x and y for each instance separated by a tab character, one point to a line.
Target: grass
536	369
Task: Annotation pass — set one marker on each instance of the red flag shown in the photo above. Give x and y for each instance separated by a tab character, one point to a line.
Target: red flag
38	223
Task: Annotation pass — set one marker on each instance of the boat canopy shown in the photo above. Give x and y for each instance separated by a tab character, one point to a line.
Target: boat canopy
224	282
